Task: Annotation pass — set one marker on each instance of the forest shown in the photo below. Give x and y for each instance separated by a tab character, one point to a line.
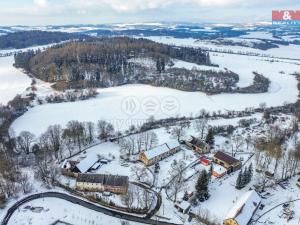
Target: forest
24	39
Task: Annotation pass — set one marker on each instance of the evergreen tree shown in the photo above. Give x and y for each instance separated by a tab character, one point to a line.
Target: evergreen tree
245	177
202	183
250	172
210	139
211	170
239	181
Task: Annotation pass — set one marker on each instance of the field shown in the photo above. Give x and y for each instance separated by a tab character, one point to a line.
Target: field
109	103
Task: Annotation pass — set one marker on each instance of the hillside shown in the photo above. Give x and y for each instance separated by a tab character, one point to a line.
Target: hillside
24	39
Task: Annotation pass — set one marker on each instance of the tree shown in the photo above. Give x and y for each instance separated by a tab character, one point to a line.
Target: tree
202	184
239	181
177	174
210	139
105	130
179	131
54	134
250	172
24	141
200	126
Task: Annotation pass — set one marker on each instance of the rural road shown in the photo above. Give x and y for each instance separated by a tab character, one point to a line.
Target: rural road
82	203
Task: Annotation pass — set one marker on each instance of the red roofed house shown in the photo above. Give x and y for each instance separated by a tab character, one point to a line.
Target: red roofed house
204	161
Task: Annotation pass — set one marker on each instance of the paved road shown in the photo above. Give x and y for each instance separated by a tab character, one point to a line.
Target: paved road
82	203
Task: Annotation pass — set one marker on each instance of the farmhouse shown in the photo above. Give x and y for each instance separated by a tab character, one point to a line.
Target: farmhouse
159	153
102	183
197	145
227	161
243	210
86	164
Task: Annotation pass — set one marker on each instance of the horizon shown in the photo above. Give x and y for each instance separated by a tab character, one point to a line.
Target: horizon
53	12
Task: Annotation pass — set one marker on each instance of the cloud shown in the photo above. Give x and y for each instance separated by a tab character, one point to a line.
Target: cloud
41	3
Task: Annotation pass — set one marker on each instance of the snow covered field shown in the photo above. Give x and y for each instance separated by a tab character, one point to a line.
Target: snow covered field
66	212
12	81
291	51
111	103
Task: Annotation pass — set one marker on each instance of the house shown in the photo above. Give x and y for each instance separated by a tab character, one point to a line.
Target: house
197	145
68	167
86	164
159	153
243	210
227	161
218	171
102	183
204	161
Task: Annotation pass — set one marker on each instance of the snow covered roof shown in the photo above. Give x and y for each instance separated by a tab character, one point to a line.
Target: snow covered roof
219	169
161	149
157	151
173	144
244	208
84	165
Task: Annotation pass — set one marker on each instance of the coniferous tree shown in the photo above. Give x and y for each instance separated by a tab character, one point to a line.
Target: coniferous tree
245	177
210	139
239	181
250	172
211	170
202	183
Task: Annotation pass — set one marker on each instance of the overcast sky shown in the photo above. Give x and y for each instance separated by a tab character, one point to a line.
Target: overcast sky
45	12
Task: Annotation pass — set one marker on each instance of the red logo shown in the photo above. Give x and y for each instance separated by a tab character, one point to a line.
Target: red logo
279	15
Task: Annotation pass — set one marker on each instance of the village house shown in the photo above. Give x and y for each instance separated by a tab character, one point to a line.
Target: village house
218	171
68	167
204	161
197	145
102	183
243	210
159	153
86	164
231	164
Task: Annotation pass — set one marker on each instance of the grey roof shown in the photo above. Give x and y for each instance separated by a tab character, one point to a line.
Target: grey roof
84	165
161	149
110	180
197	142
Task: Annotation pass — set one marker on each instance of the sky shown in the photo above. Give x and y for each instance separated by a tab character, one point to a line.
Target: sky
60	12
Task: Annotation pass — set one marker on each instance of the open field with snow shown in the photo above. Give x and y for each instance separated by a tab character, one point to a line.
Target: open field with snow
66	212
291	51
12	81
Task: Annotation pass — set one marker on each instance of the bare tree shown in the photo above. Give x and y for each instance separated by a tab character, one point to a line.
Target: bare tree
177	175
24	141
105	130
200	126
